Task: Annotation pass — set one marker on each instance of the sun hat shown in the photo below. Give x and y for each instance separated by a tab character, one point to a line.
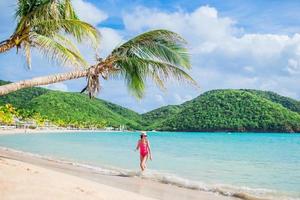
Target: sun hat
143	133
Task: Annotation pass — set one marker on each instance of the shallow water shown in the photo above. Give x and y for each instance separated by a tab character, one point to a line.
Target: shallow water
263	165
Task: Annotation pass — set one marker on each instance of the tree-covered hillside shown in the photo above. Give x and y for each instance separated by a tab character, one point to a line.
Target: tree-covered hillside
287	102
216	110
232	110
21	98
74	108
153	118
64	108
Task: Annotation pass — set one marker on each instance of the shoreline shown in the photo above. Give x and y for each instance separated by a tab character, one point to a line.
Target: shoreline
37	131
34	131
143	188
12	131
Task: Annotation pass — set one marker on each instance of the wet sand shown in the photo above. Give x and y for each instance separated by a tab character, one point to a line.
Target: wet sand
23	176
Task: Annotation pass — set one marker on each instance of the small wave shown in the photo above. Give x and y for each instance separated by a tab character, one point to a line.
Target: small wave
244	193
225	190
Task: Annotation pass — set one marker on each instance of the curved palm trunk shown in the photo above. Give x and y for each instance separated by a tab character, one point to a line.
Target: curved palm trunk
44	80
6	45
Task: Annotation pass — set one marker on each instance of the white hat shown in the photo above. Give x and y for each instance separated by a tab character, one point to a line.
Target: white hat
143	133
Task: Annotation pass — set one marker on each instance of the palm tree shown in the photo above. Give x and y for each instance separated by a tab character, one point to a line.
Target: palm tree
44	24
159	54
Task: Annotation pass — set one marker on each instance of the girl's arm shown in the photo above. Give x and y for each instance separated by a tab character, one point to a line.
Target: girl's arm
149	149
137	146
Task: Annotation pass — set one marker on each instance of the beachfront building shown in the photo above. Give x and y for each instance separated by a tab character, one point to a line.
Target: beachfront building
109	128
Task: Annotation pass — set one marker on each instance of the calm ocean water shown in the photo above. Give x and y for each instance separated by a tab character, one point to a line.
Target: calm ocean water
263	165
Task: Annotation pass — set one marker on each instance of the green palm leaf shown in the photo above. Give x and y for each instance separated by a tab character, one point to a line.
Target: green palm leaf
30	10
160	55
68	10
46	24
82	31
27	52
66	42
158	44
58	52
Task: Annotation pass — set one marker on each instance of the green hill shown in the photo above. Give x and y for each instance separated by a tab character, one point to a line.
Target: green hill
287	102
20	98
64	108
74	108
216	110
232	110
153	118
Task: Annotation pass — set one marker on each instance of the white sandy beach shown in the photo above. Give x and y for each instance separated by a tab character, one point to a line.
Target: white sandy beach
19	180
27	177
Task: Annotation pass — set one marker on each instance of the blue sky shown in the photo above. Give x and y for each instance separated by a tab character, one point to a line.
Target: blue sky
233	44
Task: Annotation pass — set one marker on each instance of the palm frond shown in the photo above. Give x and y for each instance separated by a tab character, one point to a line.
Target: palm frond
134	76
45	21
66	42
36	10
47	17
57	51
136	70
158	44
82	31
160	55
68	10
27	52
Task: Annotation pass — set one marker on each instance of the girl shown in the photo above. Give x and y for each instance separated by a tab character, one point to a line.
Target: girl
144	146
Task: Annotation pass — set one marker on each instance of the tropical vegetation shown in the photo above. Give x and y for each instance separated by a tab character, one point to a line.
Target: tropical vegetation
7	114
46	25
159	54
65	109
230	110
217	110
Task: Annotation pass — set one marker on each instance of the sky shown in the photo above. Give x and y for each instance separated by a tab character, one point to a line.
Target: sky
233	44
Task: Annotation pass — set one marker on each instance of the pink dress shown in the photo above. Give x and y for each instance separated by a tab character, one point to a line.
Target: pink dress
143	148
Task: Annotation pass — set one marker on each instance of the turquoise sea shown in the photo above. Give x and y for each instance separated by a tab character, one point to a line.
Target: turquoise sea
264	165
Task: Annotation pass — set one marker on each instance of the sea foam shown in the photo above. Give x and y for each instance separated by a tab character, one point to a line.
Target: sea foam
244	193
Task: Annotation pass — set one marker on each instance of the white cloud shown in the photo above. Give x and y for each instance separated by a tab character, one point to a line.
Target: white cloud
89	12
223	54
293	66
202	25
207	33
159	98
249	69
181	98
57	86
110	39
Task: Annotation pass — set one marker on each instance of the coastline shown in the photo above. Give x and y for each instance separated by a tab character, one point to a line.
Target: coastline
67	181
33	131
65	130
20	180
13	130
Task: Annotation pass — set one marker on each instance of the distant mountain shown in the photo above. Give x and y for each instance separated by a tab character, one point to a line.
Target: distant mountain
232	110
216	110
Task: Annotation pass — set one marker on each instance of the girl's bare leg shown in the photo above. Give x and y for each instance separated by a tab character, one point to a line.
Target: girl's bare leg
143	162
